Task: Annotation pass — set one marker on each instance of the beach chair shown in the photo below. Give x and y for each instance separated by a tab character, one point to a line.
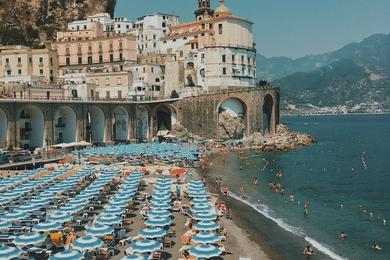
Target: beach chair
167	243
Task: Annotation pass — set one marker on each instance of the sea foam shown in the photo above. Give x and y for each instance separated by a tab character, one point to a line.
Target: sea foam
267	212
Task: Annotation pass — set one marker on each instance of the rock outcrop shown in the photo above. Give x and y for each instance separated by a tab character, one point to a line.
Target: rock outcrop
181	133
283	140
33	22
231	127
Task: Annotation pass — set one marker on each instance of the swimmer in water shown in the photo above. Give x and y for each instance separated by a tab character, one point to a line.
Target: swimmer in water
308	251
255	181
376	247
306	208
342	236
292	198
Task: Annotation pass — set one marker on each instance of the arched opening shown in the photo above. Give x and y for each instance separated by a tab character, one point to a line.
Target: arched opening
120	124
166	118
95	125
31	127
231	119
267	113
65	125
142	117
3	129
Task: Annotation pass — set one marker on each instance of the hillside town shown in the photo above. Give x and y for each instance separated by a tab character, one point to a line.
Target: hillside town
152	57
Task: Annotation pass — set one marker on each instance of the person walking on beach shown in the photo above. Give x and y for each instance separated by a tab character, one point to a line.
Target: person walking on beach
242	191
225	192
306	208
178	191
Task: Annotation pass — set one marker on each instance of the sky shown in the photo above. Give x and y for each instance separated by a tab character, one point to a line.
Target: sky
292	28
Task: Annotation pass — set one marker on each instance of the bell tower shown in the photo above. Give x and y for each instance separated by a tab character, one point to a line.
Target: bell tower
204	10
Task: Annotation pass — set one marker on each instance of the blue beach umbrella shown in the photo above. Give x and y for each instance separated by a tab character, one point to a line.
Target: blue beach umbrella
119	203
204	216
158	222
60	216
160	205
100	230
14	215
66	255
29	239
113	211
161	192
152	232
162	213
70	209
146	246
201	208
205	251
206	238
27	208
7	252
135	257
206	225
5	224
199	194
87	242
47	226
108	220
200	201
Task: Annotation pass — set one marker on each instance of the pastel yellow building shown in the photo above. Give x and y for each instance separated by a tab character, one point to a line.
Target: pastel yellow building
20	64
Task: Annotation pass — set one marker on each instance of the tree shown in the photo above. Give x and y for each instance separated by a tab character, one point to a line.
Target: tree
174	94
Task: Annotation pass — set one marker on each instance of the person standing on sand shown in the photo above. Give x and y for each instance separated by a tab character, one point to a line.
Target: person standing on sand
306	208
225	192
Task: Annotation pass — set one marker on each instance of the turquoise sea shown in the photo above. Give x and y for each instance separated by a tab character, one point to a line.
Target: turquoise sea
345	178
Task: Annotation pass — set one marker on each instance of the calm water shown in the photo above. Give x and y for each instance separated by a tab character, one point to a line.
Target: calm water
343	194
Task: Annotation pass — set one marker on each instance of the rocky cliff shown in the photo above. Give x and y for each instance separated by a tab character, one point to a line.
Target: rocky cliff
33	22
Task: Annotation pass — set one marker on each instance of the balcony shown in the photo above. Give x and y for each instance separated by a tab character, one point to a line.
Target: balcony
60	125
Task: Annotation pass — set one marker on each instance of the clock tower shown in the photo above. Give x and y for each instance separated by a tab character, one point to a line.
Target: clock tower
204	10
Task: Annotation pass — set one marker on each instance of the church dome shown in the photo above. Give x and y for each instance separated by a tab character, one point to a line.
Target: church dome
222	8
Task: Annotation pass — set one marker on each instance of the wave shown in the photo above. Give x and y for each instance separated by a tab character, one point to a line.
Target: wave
267	212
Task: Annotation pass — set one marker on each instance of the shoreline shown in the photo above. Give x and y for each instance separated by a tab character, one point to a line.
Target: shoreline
348	114
272	239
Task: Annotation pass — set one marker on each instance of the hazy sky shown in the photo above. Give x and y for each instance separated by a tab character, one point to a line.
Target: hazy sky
290	28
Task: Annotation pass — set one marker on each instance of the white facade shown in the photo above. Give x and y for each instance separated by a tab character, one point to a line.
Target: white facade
149	30
117	25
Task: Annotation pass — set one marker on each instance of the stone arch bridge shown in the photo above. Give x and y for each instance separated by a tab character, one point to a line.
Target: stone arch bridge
40	123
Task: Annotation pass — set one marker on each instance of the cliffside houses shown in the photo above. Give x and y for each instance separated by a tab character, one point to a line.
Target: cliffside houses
149	58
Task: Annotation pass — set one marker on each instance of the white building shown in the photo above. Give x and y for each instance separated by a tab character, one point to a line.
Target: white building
149	30
212	52
117	25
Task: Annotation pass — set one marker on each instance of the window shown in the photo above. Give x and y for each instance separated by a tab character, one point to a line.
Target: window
119	81
144	69
242	59
30	60
154	45
19	72
100	58
100	48
19	60
96	82
224	71
154	37
152	69
107	94
119	93
7	60
89	59
41	72
85	27
224	58
80	60
220	29
233	59
107	81
9	72
202	73
156	88
51	61
120	56
40	59
163	25
157	80
111	57
202	57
